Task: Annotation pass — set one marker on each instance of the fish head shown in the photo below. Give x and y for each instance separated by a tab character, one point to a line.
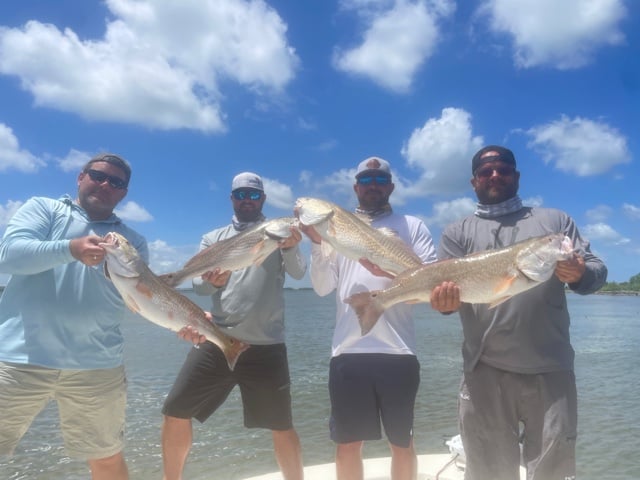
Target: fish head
122	258
538	259
280	228
312	211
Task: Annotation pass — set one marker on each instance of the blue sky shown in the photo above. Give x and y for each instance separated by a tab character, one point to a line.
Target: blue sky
195	91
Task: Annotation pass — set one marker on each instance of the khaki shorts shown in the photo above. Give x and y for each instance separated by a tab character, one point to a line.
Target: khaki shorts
91	404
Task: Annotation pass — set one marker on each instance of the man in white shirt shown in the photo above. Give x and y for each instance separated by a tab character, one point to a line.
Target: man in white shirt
376	376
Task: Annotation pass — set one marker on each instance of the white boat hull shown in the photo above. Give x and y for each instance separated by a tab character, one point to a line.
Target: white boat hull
430	467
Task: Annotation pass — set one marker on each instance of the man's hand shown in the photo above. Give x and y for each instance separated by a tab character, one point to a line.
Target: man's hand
445	298
87	250
291	241
191	334
217	278
571	271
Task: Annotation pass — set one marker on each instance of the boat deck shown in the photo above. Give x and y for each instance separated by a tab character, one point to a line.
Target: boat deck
430	467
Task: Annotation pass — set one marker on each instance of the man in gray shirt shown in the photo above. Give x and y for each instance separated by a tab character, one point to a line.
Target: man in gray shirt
249	305
518	359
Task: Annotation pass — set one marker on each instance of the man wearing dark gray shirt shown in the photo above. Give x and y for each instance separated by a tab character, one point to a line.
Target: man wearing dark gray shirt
518	382
247	304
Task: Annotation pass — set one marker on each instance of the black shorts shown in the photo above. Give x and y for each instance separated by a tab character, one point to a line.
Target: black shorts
205	381
366	388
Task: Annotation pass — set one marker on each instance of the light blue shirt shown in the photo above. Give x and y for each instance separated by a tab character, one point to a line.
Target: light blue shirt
56	311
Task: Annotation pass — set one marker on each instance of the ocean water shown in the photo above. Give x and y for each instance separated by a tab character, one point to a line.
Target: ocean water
605	332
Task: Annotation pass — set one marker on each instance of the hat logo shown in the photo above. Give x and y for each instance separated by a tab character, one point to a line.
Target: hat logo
373	164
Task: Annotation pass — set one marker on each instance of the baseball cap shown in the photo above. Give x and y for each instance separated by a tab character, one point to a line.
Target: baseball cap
501	154
247	180
375	165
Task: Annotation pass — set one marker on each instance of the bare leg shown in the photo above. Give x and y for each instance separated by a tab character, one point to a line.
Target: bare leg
349	461
177	437
404	463
109	468
286	445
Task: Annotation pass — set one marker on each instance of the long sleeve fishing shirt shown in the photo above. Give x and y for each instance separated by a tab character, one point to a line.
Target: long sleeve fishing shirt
56	311
530	332
250	307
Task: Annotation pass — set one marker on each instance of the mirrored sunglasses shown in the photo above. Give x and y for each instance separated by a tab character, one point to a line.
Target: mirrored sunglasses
250	194
378	179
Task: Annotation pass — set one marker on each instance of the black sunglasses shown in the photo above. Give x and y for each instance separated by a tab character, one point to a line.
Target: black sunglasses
99	177
378	179
251	194
502	170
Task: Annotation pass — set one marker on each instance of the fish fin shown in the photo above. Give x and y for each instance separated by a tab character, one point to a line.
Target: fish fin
331	229
131	304
500	300
105	269
413	301
501	290
505	284
260	251
367	308
257	247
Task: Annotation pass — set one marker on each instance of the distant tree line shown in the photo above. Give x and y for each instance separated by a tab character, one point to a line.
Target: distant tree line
633	285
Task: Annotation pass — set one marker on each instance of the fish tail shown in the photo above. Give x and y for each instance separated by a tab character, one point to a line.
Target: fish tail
368	309
233	351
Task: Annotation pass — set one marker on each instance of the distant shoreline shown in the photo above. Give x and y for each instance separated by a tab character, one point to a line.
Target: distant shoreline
625	293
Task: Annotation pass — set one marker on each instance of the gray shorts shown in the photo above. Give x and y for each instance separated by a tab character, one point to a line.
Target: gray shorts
494	405
91	404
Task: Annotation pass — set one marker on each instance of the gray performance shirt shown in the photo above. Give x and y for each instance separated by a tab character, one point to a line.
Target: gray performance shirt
251	305
530	332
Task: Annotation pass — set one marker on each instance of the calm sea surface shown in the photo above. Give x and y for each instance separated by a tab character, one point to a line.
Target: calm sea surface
606	337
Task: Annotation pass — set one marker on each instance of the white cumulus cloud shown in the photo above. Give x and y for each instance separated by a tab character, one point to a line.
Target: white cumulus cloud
279	195
631	211
7	211
445	213
133	212
441	152
563	34
580	146
604	233
599	213
159	63
12	156
399	38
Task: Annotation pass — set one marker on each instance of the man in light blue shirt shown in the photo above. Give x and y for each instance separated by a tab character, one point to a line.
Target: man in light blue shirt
59	319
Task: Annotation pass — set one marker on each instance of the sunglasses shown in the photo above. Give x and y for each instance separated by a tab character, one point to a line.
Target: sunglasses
378	179
486	172
99	177
250	194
